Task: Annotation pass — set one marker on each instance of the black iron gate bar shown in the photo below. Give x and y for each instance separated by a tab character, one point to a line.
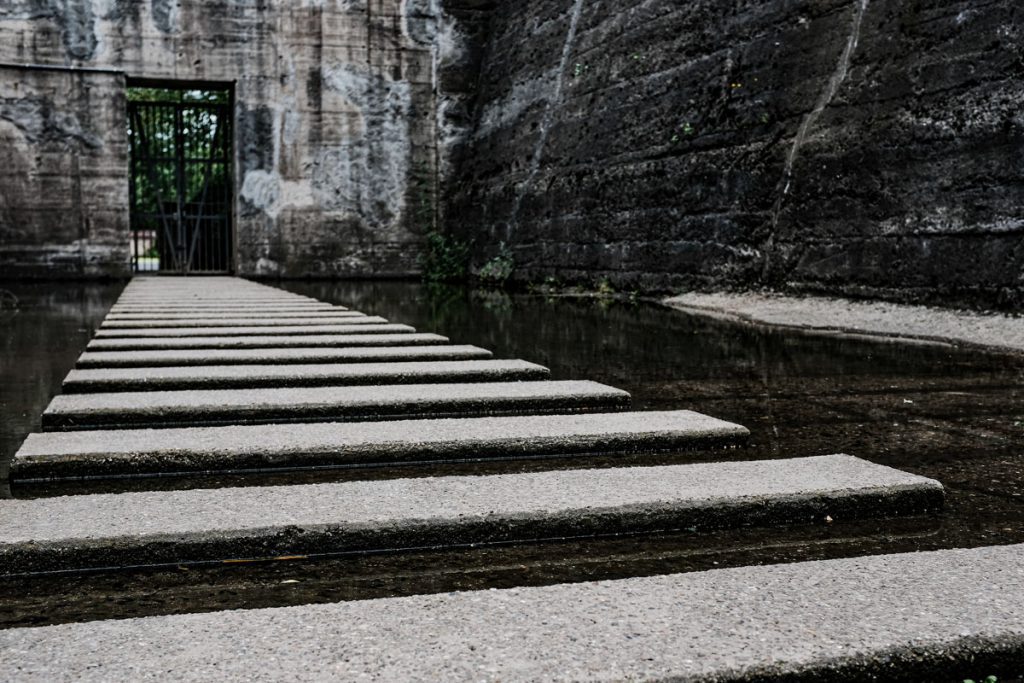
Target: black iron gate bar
184	226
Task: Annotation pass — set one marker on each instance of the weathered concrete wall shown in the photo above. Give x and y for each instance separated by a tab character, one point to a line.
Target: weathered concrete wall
336	116
846	146
63	171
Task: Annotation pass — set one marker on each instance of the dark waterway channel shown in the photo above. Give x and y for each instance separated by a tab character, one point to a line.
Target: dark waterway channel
954	415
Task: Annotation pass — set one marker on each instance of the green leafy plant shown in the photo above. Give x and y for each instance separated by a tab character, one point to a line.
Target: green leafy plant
445	259
499	269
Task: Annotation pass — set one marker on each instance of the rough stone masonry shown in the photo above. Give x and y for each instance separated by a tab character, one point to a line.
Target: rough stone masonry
854	147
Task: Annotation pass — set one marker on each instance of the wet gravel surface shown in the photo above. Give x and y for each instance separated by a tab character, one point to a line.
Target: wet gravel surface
948	414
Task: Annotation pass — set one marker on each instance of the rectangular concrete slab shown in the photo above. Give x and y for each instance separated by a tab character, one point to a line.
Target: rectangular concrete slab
130	452
390	337
369	354
231	406
343	318
370	325
188	315
331	374
903	617
158	310
157	527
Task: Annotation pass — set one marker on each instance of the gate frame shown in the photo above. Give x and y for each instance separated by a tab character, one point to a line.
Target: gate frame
227	87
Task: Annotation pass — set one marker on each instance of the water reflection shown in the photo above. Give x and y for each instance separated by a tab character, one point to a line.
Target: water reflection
43	329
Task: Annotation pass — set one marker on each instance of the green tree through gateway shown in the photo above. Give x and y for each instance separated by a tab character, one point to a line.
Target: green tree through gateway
180	178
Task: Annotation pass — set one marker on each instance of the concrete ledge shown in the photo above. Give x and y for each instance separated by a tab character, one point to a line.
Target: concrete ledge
370	354
259	447
230	406
394	336
256	376
933	616
371	324
343	318
109	530
844	316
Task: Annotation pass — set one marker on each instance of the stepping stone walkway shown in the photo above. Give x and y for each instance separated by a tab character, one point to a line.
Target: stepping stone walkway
200	375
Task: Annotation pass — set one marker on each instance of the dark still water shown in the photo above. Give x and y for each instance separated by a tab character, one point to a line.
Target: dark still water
953	415
43	329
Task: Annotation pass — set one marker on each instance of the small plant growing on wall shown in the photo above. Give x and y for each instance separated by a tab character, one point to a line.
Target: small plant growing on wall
445	259
499	269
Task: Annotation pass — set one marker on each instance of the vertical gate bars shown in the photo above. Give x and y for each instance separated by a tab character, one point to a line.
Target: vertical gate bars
180	186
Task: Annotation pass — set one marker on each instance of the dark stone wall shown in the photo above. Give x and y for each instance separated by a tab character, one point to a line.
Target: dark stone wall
63	165
858	147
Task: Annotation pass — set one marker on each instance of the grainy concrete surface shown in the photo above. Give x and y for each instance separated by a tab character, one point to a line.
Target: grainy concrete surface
398	335
209	524
231	406
157	310
199	320
911	616
135	359
993	330
188	315
369	324
136	451
252	376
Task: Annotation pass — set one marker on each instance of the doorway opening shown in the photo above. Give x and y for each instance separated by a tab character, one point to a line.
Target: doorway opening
180	177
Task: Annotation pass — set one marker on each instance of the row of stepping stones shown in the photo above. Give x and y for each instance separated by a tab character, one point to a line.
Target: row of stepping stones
201	375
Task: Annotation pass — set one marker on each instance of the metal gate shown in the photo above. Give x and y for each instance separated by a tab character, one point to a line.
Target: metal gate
180	186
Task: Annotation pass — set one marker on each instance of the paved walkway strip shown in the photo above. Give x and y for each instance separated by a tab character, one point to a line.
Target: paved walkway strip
325	374
108	530
370	324
913	616
230	406
397	335
256	447
369	354
342	318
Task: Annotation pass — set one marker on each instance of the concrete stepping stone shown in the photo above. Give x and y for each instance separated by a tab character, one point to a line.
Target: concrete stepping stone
188	315
397	335
911	616
159	309
343	318
196	357
131	452
333	374
230	406
350	326
109	530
